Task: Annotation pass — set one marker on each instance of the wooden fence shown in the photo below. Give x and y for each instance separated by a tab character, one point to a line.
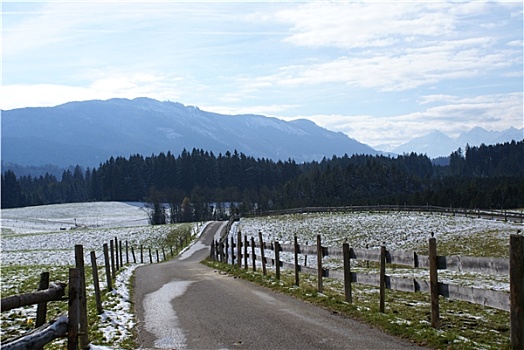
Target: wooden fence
236	252
506	215
74	325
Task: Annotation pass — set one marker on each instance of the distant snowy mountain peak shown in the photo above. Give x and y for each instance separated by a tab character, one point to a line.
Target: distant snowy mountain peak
437	144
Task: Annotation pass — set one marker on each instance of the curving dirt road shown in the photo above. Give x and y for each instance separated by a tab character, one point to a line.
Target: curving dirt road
182	304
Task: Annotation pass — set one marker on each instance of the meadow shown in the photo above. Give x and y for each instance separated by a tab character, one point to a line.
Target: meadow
38	239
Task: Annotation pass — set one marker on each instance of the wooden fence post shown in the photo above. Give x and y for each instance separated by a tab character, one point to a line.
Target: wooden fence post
127	253
245	252
227	251
296	261
108	268
433	281
264	270
141	254
320	275
157	256
253	257
239	248
232	251
277	260
516	277
41	309
133	254
79	258
72	313
96	283
382	278
112	249
347	273
116	255
121	254
150	256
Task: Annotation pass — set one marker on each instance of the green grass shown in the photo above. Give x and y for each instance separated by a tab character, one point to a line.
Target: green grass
407	315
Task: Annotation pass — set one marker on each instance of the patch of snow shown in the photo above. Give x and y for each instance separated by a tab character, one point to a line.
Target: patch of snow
162	322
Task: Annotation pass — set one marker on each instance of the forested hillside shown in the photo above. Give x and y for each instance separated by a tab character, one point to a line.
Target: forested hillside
479	177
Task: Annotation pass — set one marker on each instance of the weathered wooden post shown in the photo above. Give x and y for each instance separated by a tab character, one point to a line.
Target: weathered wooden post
79	259
41	309
108	268
239	249
264	270
157	256
127	252
212	251
382	278
433	281
320	274
277	260
141	254
232	251
150	256
117	255
121	254
112	248
297	267
253	256
516	277
245	252
73	309
96	283
347	273
227	250
133	254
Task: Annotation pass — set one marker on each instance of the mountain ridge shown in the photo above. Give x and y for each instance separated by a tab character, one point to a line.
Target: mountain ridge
90	132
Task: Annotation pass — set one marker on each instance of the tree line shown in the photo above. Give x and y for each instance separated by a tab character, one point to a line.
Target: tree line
197	184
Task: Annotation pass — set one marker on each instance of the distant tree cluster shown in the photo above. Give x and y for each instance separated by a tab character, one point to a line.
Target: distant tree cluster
196	185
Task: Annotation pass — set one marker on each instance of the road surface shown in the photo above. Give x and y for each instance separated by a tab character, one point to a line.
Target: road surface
182	304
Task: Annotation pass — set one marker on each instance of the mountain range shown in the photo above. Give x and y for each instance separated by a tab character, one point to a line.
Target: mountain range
437	144
90	132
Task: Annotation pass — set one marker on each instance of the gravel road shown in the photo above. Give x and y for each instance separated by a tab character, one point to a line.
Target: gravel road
182	304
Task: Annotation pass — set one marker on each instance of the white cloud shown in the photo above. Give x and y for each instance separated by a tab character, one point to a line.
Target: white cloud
371	24
104	86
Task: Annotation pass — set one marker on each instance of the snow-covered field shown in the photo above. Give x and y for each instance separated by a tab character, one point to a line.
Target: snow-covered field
37	239
397	230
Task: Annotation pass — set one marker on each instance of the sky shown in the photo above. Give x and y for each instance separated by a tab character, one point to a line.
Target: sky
381	72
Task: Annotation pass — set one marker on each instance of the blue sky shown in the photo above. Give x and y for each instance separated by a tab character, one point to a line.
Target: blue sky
381	72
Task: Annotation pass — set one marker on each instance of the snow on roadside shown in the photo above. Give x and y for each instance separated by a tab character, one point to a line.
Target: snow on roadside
117	321
32	239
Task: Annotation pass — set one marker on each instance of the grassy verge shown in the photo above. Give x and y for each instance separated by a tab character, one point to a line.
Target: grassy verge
407	315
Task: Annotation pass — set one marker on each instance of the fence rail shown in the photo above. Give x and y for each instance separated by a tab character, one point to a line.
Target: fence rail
506	215
512	302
